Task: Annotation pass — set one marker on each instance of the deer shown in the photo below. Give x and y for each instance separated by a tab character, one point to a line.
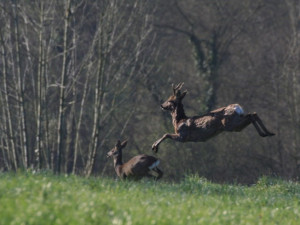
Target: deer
231	118
137	167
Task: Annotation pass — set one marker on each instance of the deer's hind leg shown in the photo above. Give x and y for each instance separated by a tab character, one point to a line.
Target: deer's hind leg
258	120
236	123
246	120
159	172
155	173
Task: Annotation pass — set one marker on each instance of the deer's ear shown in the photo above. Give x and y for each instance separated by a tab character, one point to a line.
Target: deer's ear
124	143
173	88
183	94
118	143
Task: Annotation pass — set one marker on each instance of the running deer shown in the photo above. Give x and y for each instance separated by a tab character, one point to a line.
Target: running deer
136	168
201	128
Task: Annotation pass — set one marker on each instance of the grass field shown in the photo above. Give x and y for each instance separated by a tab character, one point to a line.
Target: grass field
43	198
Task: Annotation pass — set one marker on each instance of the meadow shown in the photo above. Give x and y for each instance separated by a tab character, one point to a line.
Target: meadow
43	198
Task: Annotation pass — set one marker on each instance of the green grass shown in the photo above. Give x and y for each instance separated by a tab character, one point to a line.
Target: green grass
27	198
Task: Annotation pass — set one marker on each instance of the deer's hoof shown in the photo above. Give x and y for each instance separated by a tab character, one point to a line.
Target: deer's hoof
154	148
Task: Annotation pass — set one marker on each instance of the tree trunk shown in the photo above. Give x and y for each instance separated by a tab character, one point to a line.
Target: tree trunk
98	98
38	154
20	83
61	116
11	143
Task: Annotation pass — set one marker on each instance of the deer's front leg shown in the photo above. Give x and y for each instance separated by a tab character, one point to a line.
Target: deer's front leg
175	137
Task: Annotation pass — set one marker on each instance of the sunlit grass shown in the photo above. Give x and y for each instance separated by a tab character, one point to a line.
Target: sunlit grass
27	198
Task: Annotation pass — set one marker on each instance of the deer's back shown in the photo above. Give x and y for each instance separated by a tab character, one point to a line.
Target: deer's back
139	165
202	128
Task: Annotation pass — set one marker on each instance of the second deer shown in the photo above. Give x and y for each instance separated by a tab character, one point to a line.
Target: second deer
201	128
137	167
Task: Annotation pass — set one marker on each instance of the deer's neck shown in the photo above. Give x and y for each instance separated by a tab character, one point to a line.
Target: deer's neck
178	114
118	169
118	161
118	164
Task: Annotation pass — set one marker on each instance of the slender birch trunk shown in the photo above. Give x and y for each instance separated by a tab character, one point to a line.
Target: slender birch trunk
71	118
44	102
11	144
82	103
38	154
4	156
98	97
61	115
51	149
20	91
4	138
41	140
76	144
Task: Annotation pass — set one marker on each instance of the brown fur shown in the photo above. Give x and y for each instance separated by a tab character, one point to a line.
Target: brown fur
202	128
137	167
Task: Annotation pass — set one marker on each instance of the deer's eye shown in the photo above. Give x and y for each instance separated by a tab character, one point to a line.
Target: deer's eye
173	103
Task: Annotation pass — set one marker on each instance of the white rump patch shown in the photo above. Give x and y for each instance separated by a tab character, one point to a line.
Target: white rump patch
238	109
155	164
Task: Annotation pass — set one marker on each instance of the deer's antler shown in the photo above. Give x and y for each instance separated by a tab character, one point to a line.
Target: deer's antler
177	88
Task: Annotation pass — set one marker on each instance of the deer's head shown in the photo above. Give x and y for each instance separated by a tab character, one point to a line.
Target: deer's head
117	150
175	99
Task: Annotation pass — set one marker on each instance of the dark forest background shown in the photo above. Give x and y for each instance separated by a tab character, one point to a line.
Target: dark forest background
78	75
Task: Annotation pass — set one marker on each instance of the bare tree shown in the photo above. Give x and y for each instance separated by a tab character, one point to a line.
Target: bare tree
63	82
6	105
20	86
116	69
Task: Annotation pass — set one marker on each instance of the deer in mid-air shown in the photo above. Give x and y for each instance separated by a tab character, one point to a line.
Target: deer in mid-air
137	167
201	128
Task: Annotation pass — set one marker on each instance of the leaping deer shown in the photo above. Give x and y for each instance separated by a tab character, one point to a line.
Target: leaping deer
136	168
201	128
